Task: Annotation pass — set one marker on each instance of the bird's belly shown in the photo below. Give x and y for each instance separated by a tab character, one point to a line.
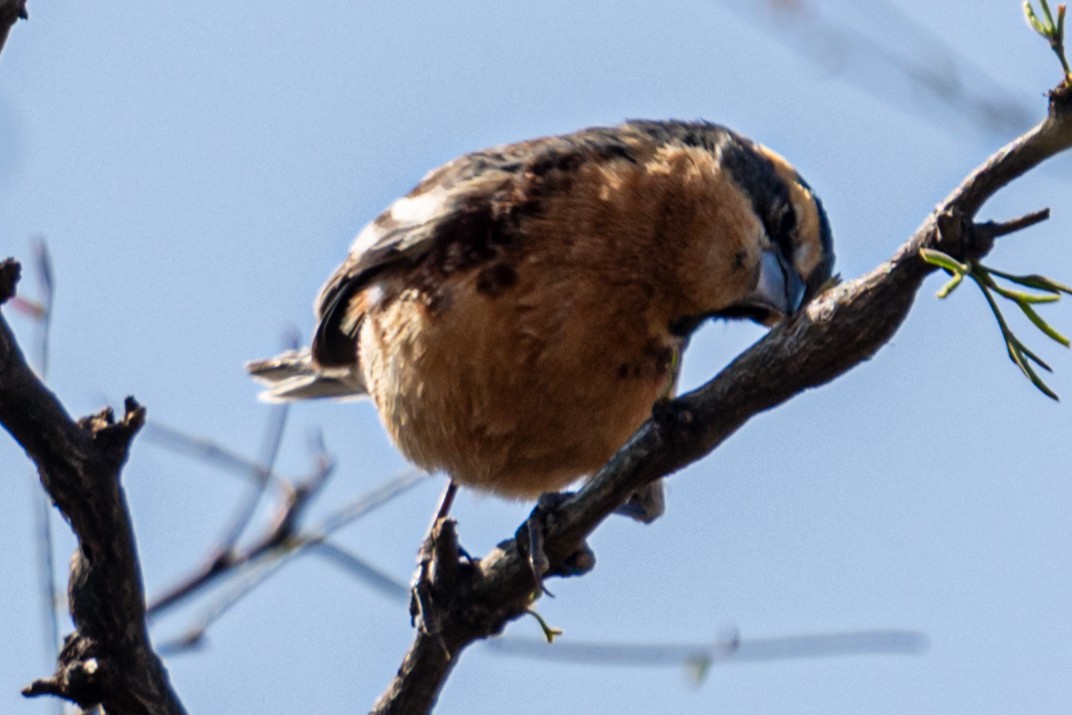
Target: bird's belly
507	411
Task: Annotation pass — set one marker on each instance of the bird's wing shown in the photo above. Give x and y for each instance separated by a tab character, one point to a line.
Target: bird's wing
457	217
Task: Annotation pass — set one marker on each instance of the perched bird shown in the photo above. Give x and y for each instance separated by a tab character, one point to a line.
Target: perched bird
516	315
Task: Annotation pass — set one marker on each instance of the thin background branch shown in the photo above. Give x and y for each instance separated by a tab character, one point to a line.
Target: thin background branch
248	570
46	575
734	649
892	57
267	554
225	556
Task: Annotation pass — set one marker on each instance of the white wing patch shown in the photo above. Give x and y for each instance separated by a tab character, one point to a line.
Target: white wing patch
406	212
365	240
413	210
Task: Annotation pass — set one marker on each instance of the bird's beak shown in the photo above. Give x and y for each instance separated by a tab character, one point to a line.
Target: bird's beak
779	288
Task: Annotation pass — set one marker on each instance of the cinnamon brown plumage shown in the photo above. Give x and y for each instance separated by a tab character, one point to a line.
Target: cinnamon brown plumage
516	315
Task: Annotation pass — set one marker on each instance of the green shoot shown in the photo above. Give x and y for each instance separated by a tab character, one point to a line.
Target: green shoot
1053	32
698	667
548	632
1045	291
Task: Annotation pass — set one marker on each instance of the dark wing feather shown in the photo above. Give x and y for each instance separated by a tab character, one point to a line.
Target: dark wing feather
394	240
469	209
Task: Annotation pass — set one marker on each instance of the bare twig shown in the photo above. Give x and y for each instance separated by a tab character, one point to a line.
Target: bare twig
282	535
209	451
222	556
270	453
838	330
249	577
277	533
899	62
724	650
697	656
363	570
997	229
263	559
50	602
281	538
108	659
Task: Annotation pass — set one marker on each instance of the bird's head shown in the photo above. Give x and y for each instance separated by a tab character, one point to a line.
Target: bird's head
793	254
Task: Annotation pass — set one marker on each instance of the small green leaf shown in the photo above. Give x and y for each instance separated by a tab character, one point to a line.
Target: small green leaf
1016	350
548	632
949	287
1019	296
1049	292
944	261
1046	11
698	666
1026	352
1035	281
1043	325
1032	19
1033	377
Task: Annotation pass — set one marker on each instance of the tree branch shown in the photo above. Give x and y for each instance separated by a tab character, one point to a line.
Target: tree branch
108	659
838	330
282	529
11	11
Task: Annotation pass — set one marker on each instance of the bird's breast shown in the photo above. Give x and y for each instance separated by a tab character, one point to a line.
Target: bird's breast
520	391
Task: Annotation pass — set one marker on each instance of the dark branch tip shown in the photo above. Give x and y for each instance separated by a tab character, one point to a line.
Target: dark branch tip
103	423
98	422
12	11
44	686
133	414
10	272
996	229
112	437
81	681
1061	98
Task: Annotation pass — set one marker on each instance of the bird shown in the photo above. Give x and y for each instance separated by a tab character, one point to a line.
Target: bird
515	316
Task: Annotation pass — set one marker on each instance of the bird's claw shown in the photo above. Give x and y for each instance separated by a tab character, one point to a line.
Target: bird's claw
533	540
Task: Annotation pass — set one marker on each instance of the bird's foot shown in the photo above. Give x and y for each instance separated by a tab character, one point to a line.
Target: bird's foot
531	538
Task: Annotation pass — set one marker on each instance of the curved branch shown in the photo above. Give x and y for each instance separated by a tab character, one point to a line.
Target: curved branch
838	330
107	660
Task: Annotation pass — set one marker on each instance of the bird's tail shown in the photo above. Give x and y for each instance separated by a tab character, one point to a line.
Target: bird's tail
294	376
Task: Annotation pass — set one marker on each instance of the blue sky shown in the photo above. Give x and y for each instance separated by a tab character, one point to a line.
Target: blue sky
197	174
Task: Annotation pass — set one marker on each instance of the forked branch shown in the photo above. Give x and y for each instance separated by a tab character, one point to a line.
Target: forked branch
108	659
